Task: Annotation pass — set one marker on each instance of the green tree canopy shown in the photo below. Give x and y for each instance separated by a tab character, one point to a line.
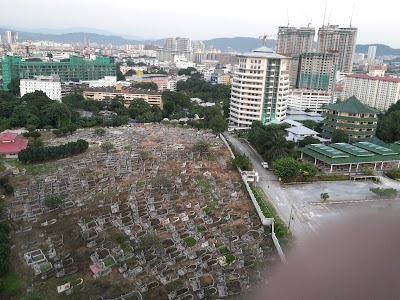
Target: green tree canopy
59	115
286	167
339	136
308	140
146	85
13	86
389	127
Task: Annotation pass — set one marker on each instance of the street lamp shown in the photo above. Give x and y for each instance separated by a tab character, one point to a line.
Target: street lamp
292	213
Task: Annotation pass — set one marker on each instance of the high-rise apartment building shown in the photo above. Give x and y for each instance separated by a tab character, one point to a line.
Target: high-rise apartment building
316	71
76	68
198	46
335	39
313	81
259	88
7	37
293	41
183	44
371	55
170	44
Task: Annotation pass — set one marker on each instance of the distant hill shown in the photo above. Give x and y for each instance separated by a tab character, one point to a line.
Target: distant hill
77	37
239	44
380	49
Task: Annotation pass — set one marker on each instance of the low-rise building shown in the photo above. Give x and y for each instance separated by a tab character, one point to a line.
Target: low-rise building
50	85
11	145
128	93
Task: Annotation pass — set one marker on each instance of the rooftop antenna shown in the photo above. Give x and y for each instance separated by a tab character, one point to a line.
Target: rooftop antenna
287	12
352	13
326	4
330	16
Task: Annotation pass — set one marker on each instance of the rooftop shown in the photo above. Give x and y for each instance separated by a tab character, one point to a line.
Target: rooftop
125	90
7	136
301	130
384	78
352	105
263	52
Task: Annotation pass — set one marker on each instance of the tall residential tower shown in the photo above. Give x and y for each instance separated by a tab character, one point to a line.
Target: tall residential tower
293	41
335	39
259	88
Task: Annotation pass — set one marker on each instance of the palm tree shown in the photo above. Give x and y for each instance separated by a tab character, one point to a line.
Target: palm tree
324	196
277	146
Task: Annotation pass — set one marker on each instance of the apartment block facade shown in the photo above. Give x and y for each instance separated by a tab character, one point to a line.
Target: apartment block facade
76	68
259	88
379	92
335	39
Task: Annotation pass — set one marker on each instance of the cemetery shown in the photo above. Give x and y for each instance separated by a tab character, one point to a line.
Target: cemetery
151	218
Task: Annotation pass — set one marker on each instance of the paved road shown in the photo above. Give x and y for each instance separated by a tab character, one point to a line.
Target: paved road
302	225
299	200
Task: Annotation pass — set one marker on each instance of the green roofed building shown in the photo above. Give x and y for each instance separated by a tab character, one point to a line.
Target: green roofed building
356	119
75	68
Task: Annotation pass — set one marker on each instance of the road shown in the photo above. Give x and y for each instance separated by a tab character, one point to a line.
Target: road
302	224
302	201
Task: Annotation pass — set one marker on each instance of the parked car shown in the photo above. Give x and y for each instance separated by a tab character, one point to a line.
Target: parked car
265	165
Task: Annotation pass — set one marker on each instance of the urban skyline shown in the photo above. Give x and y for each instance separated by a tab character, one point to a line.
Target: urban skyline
184	21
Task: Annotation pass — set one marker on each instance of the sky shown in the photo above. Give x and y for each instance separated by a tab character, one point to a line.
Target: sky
377	21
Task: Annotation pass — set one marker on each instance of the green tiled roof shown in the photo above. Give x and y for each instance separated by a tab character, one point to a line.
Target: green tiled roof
352	105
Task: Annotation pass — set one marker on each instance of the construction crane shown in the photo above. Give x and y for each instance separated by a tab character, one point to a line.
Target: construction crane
264	38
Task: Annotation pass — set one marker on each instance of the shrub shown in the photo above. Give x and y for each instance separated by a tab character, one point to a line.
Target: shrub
8	189
394	173
386	193
53	201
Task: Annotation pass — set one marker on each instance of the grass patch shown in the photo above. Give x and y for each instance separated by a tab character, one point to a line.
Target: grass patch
206	210
10	284
230	258
190	241
2	167
109	261
34	169
218	244
88	219
223	251
283	234
201	228
45	267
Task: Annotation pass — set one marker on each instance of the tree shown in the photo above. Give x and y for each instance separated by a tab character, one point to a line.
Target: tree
107	146
218	124
53	201
31	128
72	128
35	134
150	240
389	127
308	140
339	136
324	196
286	167
59	115
8	189
130	73
13	86
201	146
277	146
308	169
100	131
146	85
243	162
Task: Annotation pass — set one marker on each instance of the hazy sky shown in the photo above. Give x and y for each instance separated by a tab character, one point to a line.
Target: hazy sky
378	21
